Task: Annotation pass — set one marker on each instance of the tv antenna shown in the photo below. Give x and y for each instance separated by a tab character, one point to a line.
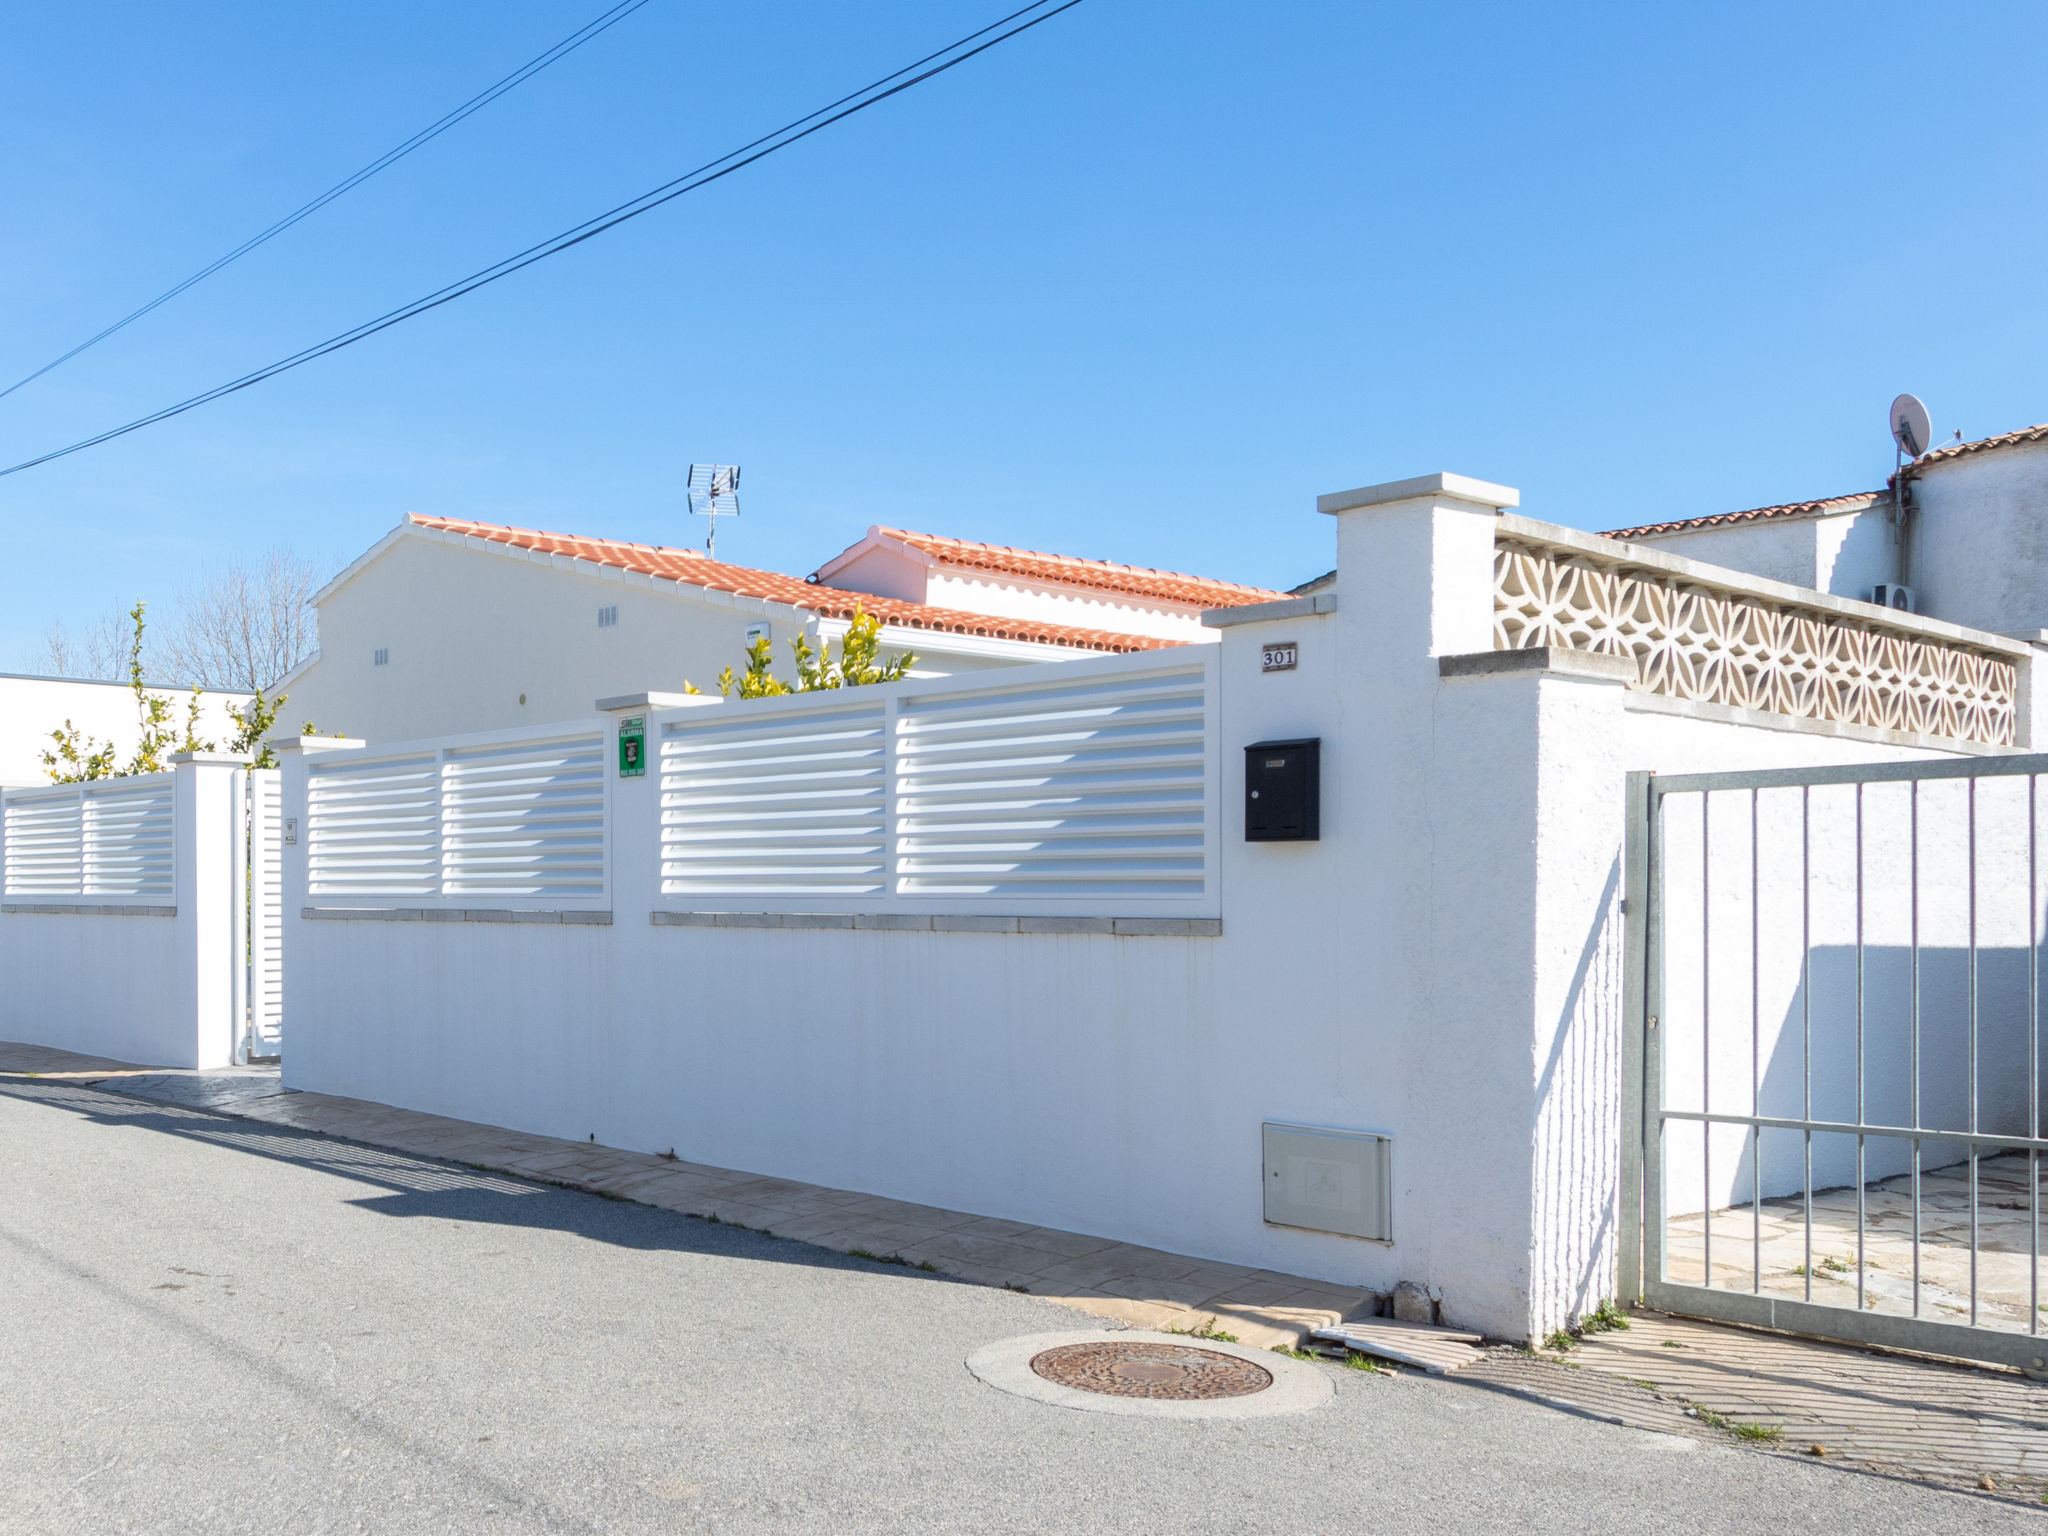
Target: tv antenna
1911	429
714	493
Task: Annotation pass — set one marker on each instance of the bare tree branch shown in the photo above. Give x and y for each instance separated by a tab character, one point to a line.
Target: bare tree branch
244	627
99	653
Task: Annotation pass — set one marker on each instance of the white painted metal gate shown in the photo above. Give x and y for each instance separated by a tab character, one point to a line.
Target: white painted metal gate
1833	1114
264	915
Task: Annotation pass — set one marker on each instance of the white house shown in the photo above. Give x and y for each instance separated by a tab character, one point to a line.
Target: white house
1964	529
451	625
1025	943
31	708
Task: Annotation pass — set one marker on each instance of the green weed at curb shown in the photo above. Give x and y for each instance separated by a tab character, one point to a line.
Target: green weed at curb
892	1258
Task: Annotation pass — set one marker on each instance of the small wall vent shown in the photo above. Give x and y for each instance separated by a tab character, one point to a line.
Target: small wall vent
608	616
381	657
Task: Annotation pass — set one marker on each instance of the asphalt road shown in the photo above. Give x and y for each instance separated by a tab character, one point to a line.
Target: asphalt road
216	1326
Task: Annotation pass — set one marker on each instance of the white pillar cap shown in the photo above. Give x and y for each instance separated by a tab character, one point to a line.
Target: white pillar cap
1442	486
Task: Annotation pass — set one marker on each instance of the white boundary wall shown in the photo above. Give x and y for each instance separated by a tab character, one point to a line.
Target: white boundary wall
134	951
1443	966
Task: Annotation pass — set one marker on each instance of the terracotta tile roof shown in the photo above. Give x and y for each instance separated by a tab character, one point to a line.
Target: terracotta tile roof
2003	440
693	569
1753	515
1136	580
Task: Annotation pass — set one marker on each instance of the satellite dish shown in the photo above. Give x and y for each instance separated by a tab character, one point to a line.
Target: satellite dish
1911	429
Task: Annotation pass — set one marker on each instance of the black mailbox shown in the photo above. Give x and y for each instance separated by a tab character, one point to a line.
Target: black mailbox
1283	791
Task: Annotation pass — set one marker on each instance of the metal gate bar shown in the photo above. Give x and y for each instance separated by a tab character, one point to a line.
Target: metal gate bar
1649	1117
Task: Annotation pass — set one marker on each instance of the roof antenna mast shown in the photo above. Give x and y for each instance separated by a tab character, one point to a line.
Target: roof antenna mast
714	493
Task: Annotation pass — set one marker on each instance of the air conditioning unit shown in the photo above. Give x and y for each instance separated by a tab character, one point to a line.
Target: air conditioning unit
1889	594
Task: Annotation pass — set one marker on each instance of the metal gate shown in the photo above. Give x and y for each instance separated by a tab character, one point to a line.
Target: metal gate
1832	1107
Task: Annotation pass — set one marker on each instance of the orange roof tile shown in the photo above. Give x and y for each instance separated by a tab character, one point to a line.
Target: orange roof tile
1136	580
1753	515
692	569
2003	440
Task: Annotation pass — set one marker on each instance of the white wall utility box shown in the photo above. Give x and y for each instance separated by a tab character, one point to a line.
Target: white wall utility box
1330	1181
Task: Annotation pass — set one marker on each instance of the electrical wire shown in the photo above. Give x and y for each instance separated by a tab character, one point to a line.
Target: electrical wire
391	157
889	85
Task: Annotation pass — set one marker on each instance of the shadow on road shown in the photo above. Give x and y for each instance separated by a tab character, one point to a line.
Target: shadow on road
412	1187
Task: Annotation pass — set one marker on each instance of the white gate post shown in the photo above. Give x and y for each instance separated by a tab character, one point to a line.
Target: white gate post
206	822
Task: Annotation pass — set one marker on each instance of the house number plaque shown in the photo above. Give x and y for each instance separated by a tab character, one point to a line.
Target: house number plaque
1282	656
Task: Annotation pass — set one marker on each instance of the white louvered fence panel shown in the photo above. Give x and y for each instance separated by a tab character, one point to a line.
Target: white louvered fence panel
524	820
127	840
776	803
1089	788
104	841
373	827
485	824
44	853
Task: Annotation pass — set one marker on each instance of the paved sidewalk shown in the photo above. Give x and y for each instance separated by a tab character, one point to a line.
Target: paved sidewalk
1959	1425
1145	1287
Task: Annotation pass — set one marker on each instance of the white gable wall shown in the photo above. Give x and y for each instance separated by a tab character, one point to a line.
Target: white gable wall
887	570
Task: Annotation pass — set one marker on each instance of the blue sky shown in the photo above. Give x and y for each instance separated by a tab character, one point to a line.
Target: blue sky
1137	285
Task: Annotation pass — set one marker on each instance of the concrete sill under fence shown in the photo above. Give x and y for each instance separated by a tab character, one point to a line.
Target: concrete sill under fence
922	922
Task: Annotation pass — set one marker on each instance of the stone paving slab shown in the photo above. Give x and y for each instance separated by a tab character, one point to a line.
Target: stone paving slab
1146	1287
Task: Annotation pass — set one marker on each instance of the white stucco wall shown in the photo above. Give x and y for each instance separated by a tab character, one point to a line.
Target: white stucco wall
1376	980
1843	553
1442	967
469	632
1783	549
156	989
1979	538
32	707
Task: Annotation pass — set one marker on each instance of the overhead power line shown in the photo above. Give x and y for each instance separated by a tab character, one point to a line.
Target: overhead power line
889	85
389	158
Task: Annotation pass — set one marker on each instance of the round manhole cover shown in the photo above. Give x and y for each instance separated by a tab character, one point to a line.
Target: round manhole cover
1160	1372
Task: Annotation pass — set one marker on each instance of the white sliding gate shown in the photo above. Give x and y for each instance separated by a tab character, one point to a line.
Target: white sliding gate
263	915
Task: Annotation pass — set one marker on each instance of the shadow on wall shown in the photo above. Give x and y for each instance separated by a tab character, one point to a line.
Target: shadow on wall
1851	1043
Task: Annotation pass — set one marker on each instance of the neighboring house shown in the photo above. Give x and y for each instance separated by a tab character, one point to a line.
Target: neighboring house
990	578
1964	529
450	625
31	708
